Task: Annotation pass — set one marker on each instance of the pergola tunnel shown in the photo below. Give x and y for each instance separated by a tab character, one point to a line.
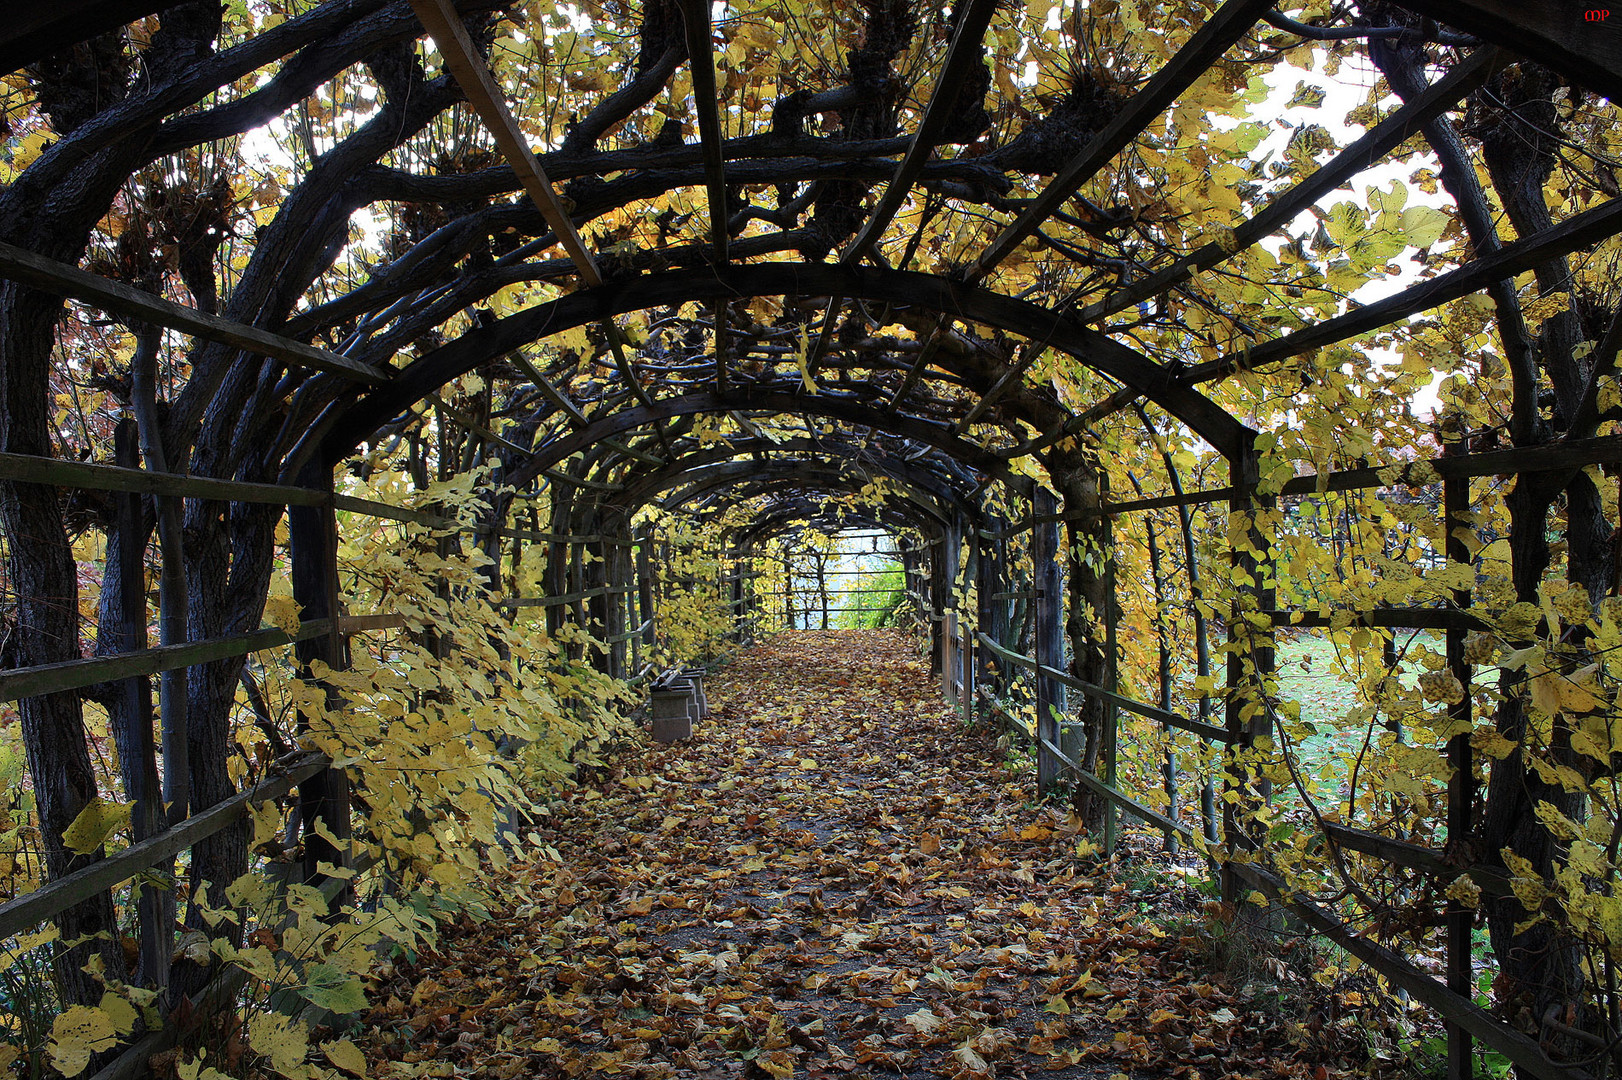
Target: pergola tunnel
1218	399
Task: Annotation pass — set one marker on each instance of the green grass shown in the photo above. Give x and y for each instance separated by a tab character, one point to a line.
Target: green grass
1307	674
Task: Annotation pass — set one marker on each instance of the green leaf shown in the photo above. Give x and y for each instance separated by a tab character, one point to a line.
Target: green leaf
1422	226
333	989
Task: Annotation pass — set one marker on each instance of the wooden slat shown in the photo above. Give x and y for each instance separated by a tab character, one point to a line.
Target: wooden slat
1451	1007
1226	26
1576	232
76	674
37	271
80	885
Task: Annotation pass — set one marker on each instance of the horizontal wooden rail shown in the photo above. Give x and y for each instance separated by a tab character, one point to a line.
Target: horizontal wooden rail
1124	801
1002	709
568	598
1556	456
1383	618
90	476
1088	779
93	476
22	265
1451	1007
76	674
1152	712
1551	457
1427	861
98	877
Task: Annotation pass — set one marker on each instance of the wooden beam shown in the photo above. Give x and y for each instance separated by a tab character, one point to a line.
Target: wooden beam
926	356
1152	712
576	417
1388	618
1047	638
50	276
1360	155
1226	26
33	31
701	58
473	75
90	476
1427	861
1577	231
1127	802
1556	33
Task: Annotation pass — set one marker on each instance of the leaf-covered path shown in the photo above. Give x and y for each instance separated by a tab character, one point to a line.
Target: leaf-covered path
832	878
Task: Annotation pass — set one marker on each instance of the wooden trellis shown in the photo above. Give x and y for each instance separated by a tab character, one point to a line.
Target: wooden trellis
602	456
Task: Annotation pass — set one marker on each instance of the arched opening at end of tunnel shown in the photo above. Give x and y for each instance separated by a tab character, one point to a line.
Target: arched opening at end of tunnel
849	579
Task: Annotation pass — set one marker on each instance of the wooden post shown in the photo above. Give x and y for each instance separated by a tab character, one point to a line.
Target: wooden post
644	591
1253	591
619	576
1110	740
948	552
137	748
740	597
1048	607
988	620
324	799
1461	787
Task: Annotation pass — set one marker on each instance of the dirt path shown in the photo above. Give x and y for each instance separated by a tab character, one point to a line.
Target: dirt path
833	878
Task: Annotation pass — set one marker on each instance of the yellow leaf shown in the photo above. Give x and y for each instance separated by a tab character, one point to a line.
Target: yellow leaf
1546	693
281	1039
78	1033
120	1013
346	1055
282	613
267	823
97	821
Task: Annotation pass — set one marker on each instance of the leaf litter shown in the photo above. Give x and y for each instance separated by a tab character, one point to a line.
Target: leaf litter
833	878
